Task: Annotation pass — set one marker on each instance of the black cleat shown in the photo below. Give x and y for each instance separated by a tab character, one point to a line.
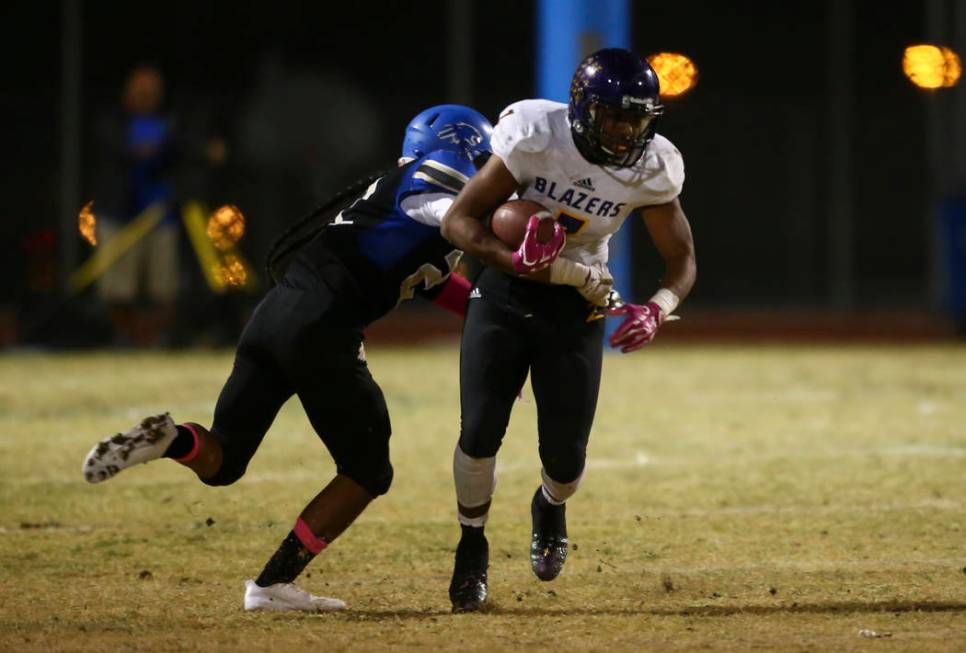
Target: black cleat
467	590
548	548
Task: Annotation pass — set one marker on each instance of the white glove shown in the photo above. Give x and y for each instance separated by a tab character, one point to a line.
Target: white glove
592	281
597	285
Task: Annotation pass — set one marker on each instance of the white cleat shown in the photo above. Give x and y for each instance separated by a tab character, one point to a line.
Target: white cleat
146	441
287	596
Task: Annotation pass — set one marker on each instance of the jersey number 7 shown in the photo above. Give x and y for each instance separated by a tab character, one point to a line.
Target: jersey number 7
571	223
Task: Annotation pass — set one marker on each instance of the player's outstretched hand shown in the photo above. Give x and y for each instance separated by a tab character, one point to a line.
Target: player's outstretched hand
534	255
639	326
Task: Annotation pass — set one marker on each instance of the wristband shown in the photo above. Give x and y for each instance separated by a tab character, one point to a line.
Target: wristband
666	300
564	272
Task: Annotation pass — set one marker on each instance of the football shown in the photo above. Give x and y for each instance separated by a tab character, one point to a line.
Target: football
509	222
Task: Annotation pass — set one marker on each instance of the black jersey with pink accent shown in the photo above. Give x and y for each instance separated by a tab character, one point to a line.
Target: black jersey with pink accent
389	238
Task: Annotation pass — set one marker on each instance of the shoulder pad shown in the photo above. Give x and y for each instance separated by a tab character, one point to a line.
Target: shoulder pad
440	171
524	127
664	169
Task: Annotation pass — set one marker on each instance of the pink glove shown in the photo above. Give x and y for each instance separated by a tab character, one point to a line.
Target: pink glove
533	255
639	326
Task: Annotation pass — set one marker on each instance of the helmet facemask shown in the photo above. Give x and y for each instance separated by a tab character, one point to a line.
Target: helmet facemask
614	107
616	133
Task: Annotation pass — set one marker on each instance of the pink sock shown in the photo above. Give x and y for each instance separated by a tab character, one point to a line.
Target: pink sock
191	455
307	537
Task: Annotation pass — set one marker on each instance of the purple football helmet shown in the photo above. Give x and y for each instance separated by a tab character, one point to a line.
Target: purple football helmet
614	106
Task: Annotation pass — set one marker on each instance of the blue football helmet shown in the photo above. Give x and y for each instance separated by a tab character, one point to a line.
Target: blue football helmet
614	106
451	127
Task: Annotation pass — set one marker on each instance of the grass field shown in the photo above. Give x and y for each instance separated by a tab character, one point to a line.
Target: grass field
737	498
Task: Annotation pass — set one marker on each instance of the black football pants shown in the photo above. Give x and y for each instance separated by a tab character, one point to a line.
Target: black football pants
513	326
304	339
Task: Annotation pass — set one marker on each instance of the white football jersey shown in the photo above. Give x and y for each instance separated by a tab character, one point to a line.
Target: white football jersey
591	201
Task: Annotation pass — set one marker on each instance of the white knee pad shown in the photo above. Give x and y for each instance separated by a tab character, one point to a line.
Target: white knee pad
475	481
558	493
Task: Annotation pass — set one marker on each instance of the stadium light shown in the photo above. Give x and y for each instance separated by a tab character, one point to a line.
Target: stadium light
87	223
226	226
931	66
676	72
232	271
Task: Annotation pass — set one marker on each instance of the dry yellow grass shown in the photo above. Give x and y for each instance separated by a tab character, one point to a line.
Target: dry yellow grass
736	498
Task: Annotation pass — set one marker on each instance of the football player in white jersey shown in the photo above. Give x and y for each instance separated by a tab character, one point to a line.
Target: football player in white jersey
591	163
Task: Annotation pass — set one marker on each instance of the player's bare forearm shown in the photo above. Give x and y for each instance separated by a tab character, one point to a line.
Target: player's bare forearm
679	275
463	223
470	235
671	233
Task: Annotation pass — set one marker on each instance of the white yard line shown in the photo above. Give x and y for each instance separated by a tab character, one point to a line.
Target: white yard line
33	528
927	504
811	566
923	450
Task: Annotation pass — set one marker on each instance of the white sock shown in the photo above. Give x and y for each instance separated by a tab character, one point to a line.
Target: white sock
557	493
475	482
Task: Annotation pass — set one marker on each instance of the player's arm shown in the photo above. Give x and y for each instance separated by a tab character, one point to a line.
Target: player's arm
463	226
593	282
429	208
671	233
463	223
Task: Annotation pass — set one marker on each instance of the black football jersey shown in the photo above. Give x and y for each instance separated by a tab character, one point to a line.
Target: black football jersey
391	255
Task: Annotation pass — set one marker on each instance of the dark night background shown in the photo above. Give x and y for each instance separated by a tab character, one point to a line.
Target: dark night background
754	132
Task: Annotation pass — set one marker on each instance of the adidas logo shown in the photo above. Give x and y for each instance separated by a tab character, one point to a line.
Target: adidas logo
585	183
476	294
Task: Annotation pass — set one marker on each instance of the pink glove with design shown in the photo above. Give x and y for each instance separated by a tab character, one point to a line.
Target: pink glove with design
639	326
533	255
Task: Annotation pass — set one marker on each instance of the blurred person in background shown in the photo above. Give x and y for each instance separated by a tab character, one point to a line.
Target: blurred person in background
288	126
136	158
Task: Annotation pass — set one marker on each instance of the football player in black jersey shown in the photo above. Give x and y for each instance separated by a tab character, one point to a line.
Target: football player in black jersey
592	163
305	338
